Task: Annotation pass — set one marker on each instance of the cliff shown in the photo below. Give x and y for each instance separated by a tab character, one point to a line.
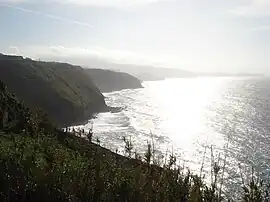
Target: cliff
107	80
64	91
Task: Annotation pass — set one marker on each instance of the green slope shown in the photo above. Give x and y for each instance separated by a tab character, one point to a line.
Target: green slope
64	91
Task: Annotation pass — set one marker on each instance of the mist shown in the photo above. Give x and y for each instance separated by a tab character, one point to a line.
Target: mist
231	36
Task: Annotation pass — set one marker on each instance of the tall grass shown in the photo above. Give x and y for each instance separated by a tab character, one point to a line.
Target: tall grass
45	168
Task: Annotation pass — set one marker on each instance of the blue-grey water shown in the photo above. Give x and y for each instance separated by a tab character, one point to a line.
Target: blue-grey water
189	116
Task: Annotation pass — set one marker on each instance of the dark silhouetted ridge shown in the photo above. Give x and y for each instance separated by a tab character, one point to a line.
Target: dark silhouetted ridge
108	81
64	91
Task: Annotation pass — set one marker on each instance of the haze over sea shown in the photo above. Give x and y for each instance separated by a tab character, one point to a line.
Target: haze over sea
189	116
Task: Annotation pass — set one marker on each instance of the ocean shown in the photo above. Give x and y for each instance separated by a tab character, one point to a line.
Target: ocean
200	120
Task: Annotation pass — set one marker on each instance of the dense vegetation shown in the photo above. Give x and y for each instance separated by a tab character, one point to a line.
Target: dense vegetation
107	80
41	163
64	91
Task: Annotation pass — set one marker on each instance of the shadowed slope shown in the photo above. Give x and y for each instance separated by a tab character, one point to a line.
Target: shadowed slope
64	91
108	80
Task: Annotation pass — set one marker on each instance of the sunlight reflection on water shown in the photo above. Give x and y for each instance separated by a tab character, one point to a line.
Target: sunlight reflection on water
191	114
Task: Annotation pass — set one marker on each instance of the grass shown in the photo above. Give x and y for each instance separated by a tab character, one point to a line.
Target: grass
41	163
45	169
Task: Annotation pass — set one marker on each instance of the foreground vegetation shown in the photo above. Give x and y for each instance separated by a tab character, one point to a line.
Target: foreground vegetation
41	163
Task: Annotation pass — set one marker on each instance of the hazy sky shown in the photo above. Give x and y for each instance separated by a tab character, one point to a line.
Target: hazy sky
197	35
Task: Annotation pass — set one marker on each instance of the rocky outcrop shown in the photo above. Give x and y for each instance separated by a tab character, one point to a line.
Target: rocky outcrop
108	81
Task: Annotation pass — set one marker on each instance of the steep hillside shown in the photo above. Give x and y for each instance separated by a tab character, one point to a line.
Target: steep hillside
64	91
107	80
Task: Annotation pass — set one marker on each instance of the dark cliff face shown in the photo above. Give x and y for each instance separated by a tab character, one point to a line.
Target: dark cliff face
64	91
108	81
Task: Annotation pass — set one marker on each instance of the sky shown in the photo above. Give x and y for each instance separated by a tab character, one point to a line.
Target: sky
195	35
